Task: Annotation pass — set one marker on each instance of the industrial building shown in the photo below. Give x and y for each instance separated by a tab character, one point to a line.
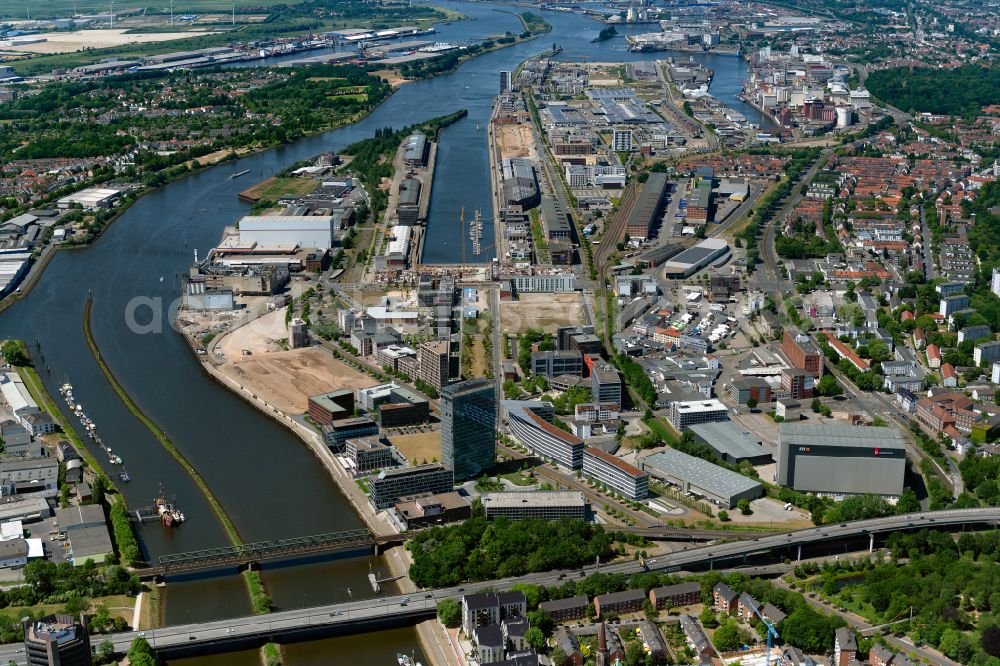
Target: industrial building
468	427
647	209
416	150
841	459
684	413
700	477
520	185
730	443
695	258
312	231
531	423
544	504
90	198
408	205
619	476
388	486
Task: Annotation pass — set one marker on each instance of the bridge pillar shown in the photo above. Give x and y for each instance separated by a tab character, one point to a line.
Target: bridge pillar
159	580
798	557
377	549
871	543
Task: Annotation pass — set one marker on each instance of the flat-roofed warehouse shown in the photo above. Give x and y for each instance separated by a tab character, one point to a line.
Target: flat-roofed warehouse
841	459
701	477
730	442
693	259
647	208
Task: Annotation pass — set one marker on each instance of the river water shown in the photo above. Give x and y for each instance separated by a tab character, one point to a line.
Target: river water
266	479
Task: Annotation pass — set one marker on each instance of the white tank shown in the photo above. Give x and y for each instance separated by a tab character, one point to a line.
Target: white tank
843	116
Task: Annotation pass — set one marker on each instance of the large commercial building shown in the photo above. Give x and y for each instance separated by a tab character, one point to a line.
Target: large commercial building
432	363
385	489
531	423
56	640
544	283
689	412
619	476
553	363
701	477
544	504
307	231
648	207
338	432
605	383
693	259
841	459
730	442
468	427
326	408
408	205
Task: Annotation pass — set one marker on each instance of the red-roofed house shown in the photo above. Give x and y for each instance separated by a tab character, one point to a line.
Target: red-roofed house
949	378
933	356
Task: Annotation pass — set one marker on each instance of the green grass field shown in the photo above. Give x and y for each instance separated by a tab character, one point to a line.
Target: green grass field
64	8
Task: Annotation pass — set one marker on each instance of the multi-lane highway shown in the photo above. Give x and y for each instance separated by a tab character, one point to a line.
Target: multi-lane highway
356	616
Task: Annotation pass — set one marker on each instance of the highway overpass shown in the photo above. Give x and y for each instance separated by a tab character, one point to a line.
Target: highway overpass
373	614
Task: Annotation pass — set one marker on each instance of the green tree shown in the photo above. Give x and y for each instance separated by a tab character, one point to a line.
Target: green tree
751	403
908	502
729	636
450	613
105	653
635	655
744	506
140	650
649	609
535	638
829	386
707	617
950	642
14	352
723	515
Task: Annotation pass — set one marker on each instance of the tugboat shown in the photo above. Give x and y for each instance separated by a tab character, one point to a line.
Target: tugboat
169	514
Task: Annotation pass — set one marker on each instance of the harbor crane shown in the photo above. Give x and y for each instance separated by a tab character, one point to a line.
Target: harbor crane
771	633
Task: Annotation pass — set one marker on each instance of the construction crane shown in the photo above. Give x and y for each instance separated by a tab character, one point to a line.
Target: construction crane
771	633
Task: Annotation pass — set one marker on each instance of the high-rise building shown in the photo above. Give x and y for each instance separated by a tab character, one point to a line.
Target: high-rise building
298	334
56	640
468	427
622	141
505	79
432	363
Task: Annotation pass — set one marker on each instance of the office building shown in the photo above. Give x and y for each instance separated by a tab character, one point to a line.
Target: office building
56	640
388	486
544	283
432	363
622	141
326	408
797	383
368	453
553	363
432	509
616	474
544	504
531	422
468	427
750	388
802	353
505	81
841	460
700	477
298	334
489	608
605	383
338	432
688	412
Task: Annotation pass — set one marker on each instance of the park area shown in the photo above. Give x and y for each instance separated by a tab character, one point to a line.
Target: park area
543	312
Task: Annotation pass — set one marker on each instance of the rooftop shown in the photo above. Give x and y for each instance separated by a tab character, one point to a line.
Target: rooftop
728	437
616	462
840	435
699	472
545	498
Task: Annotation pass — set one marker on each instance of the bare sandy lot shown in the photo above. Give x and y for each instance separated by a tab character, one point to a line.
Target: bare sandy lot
66	42
391	77
515	141
285	379
546	312
422	446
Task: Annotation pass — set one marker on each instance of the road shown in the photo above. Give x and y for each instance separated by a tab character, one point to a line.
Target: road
930	266
354	614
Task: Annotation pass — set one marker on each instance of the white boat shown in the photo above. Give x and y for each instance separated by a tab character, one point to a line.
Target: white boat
403	660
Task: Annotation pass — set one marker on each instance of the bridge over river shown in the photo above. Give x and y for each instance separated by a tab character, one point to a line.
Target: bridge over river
385	612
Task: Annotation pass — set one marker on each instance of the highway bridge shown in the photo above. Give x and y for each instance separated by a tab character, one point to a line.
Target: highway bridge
373	614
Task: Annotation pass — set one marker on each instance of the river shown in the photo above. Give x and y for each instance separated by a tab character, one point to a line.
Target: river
267	480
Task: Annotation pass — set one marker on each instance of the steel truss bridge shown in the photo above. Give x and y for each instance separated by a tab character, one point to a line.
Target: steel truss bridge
250	553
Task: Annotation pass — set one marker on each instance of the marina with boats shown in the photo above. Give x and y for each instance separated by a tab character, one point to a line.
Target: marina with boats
66	391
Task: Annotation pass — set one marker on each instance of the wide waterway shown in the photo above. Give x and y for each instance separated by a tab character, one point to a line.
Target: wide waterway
266	479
